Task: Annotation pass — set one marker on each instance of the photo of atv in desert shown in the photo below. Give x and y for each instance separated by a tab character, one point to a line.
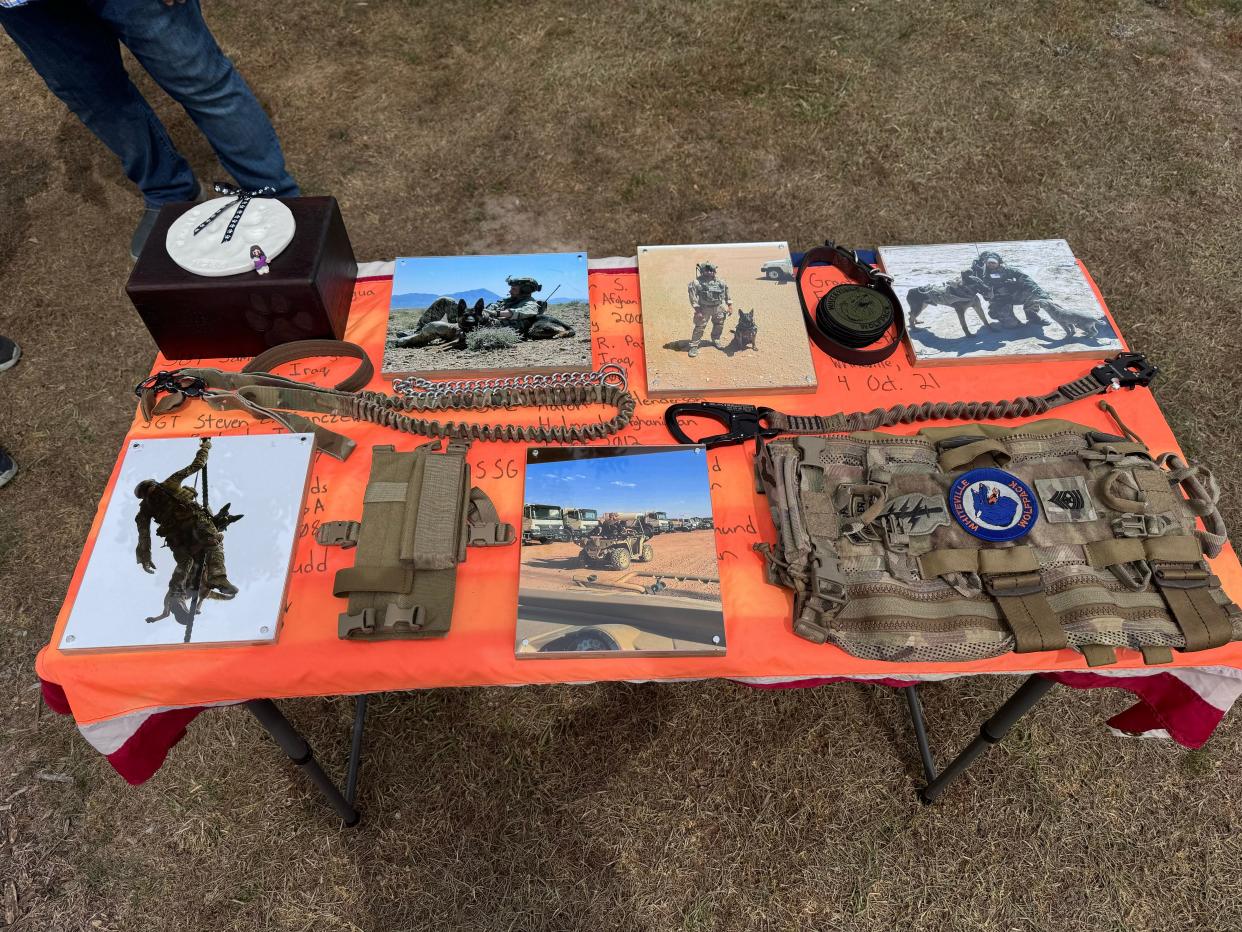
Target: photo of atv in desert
617	541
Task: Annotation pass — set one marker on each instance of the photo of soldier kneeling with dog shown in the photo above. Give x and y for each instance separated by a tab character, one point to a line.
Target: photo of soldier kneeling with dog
981	301
456	315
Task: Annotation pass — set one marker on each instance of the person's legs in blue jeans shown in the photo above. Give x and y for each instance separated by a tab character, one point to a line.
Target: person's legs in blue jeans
78	56
177	49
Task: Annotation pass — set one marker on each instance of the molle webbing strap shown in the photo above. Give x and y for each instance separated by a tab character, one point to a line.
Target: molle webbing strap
1180	576
1011	577
955	458
1156	654
1184	580
1099	655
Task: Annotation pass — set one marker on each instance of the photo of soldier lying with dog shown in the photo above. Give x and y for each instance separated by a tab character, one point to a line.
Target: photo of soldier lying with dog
986	299
485	313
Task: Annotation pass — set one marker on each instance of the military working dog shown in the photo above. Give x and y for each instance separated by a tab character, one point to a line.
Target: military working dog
448	321
744	333
953	293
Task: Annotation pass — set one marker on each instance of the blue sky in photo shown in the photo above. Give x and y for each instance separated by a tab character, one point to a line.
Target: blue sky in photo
674	482
445	275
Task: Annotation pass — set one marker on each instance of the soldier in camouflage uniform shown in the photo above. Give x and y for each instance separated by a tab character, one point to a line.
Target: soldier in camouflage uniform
709	298
189	530
1006	287
520	310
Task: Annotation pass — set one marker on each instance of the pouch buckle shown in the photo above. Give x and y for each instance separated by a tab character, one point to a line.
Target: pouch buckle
1131	524
358	624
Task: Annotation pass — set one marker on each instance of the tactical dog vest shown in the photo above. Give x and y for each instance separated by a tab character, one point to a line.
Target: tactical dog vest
419	514
962	543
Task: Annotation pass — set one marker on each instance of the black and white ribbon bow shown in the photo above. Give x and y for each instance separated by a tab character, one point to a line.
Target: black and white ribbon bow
241	198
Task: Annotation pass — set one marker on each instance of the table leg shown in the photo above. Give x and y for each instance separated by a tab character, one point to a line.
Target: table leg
355	748
920	731
992	732
301	754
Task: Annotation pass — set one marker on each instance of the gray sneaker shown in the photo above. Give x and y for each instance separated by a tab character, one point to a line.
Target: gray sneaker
10	352
142	231
8	468
149	216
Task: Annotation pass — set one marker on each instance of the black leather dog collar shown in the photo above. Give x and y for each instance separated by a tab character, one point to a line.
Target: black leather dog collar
852	316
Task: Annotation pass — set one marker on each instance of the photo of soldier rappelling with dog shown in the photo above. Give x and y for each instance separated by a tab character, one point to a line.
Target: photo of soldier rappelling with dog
193	535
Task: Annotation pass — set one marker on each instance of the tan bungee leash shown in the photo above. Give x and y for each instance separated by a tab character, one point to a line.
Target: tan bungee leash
277	398
747	422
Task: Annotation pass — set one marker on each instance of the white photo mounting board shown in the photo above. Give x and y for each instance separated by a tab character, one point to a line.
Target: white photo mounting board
262	478
266	223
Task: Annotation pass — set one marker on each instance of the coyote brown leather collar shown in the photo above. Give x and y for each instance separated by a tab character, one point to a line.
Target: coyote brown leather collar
851	317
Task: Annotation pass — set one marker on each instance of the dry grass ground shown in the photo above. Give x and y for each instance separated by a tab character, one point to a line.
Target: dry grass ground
502	126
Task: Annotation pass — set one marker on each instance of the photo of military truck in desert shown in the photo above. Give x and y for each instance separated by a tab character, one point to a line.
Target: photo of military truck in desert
630	567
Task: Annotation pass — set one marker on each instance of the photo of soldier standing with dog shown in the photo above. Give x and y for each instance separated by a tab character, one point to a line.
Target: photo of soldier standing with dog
722	318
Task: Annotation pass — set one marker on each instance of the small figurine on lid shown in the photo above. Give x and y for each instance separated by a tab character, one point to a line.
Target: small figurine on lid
259	260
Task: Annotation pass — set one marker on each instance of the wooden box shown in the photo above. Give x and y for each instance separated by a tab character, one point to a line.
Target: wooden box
306	294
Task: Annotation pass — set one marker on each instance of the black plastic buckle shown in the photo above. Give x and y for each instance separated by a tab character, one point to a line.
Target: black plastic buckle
1125	370
164	381
744	422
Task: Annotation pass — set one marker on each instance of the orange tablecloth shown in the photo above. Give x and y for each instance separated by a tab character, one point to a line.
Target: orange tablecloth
308	660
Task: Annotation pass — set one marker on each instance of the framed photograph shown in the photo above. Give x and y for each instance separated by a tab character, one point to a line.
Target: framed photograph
722	319
618	554
992	302
476	315
195	545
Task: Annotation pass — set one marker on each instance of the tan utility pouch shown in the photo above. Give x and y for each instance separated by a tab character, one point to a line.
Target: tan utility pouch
419	514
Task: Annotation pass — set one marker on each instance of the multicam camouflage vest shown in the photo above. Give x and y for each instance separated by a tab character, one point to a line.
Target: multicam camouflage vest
963	543
708	294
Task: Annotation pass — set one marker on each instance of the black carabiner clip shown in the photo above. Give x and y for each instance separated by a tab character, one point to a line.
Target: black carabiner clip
166	381
744	422
1125	370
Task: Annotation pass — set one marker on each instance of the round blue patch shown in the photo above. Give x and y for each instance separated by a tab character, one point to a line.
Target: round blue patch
992	504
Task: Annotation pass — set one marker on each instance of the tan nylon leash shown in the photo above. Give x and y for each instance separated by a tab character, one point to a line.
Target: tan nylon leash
286	400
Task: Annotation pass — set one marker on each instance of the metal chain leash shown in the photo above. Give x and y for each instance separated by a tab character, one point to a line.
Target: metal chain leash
606	385
610	374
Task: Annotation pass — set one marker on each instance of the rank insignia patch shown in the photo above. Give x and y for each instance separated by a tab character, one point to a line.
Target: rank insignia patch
992	504
1066	499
